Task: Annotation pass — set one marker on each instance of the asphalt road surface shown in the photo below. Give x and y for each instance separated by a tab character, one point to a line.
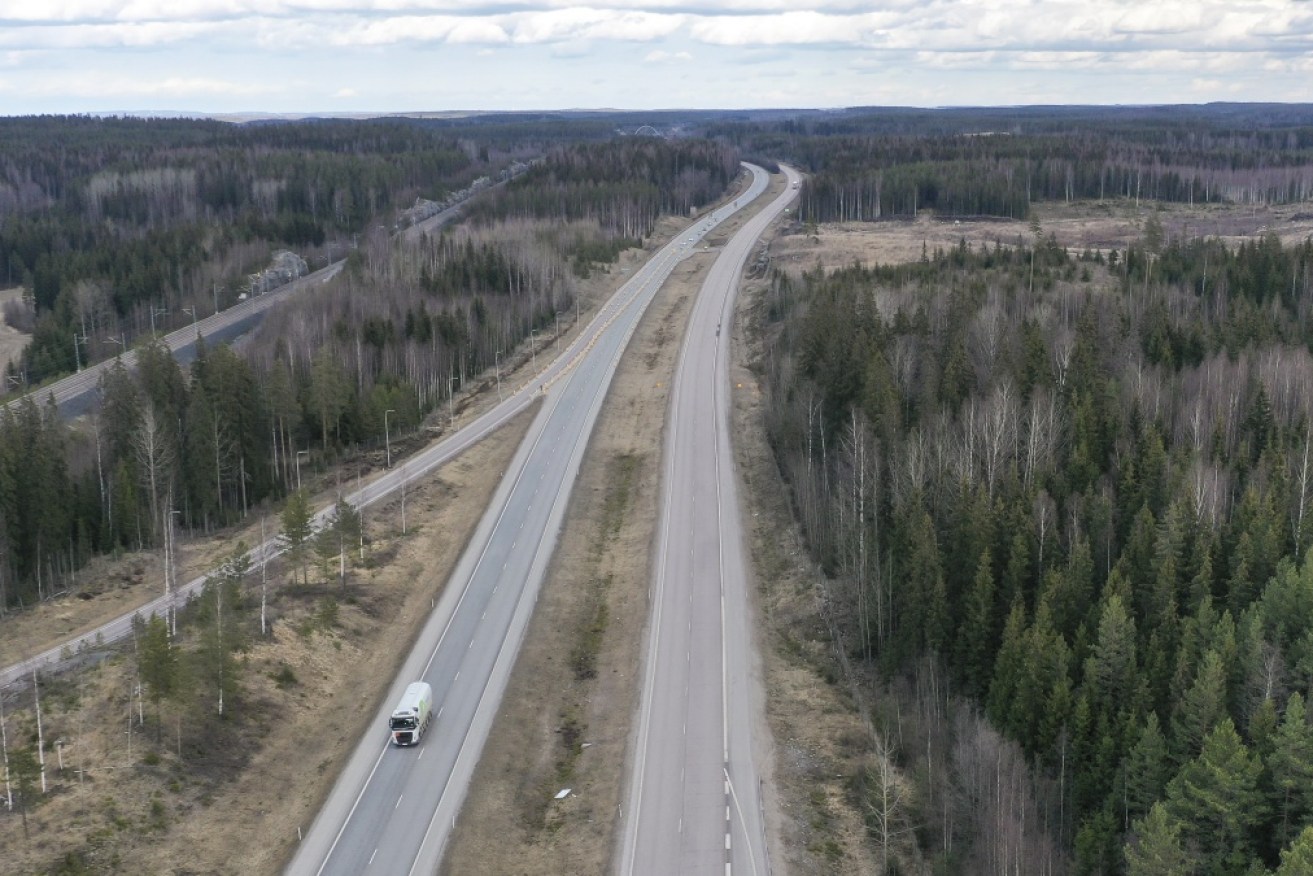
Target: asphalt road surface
694	803
392	808
654	271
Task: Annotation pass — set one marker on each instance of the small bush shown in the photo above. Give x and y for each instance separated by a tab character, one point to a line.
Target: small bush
327	614
284	677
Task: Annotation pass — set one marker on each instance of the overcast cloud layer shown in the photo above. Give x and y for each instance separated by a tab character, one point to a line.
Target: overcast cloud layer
396	55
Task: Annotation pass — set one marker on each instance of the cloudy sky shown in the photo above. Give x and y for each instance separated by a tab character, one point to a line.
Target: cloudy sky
398	55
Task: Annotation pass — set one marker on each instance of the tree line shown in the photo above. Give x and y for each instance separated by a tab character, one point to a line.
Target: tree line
1076	490
117	226
865	166
408	324
622	184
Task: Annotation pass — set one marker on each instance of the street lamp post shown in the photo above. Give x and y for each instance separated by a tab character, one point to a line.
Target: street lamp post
122	341
497	359
170	574
387	436
154	312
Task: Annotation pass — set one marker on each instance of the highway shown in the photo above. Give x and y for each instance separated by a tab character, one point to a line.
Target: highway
392	809
653	272
694	801
76	393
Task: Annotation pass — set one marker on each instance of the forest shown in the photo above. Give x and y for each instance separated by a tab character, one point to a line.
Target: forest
388	342
129	220
1078	486
869	165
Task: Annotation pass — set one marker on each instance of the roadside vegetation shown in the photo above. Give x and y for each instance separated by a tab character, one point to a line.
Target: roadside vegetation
1064	500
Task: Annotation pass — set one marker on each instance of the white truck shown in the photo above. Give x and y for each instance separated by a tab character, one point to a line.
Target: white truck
412	715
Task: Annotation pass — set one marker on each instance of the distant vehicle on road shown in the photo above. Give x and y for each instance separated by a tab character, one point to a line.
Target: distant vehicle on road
412	715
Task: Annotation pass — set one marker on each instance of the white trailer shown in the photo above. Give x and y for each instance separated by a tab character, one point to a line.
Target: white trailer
412	715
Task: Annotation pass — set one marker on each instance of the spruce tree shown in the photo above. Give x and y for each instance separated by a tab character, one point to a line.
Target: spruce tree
1291	768
1201	709
976	644
1147	768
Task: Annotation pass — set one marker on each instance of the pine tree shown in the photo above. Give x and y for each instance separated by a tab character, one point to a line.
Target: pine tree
1155	848
158	665
1217	799
298	528
1097	845
1298	859
222	631
330	391
25	776
1017	580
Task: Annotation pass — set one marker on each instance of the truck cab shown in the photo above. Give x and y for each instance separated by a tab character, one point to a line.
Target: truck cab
411	717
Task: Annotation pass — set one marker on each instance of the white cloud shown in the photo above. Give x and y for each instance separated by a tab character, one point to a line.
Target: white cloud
661	56
592	24
938	50
105	84
791	28
346	92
